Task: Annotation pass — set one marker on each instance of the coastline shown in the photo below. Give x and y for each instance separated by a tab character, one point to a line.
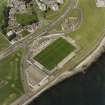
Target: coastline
73	68
79	68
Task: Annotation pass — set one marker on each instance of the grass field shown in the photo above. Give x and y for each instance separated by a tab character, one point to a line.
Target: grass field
90	31
25	19
93	23
54	53
10	81
4	43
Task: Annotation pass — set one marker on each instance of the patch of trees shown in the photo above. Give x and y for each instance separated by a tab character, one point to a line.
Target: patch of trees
6	19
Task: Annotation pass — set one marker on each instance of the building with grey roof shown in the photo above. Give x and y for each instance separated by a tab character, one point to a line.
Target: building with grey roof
53	4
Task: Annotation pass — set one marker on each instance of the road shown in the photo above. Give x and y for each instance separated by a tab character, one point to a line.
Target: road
29	39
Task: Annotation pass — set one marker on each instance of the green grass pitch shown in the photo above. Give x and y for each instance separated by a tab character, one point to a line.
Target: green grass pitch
54	53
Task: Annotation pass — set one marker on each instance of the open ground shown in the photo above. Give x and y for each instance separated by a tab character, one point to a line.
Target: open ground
90	32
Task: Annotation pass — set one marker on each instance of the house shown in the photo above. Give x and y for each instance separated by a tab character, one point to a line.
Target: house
100	3
53	4
11	35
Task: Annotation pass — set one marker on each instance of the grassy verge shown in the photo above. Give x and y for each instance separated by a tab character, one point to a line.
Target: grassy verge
91	30
4	43
10	82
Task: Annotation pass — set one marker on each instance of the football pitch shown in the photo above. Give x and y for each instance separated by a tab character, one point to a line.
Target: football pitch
10	81
54	53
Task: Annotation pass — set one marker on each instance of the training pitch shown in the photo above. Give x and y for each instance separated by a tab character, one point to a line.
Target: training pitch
54	53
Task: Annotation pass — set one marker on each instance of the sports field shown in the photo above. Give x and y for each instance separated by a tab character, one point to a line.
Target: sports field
54	53
10	81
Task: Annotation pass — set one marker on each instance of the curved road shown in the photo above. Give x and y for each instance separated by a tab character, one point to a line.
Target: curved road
31	37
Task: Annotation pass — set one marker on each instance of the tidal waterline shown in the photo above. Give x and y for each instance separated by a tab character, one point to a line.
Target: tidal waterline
81	89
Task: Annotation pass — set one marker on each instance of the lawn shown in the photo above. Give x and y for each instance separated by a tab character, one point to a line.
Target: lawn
4	43
75	12
25	19
90	31
10	80
93	23
54	53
